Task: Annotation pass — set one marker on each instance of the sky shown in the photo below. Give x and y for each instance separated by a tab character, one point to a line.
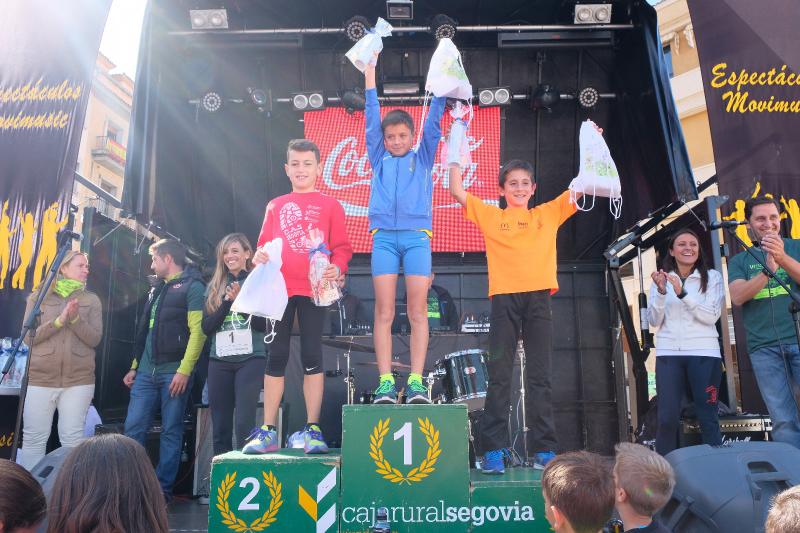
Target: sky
121	37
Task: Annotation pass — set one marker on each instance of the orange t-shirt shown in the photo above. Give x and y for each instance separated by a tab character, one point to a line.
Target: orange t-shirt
520	243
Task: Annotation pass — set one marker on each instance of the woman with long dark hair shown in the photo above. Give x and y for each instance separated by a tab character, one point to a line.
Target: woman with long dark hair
237	356
61	375
685	303
107	484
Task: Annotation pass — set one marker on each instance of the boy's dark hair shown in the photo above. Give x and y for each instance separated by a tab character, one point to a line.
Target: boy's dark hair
646	477
169	247
759	200
514	164
580	486
397	116
303	145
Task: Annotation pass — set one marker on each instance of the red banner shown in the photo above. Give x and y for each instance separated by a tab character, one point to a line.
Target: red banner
347	174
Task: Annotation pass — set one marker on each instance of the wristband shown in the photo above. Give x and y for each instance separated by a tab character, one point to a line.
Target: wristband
766	273
682	294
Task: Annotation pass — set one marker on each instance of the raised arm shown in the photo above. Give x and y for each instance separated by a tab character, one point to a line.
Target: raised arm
372	115
457	185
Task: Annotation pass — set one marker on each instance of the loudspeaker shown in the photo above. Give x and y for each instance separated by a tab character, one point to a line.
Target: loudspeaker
728	488
47	469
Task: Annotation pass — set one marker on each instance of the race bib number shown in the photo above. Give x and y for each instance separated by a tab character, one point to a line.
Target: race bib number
232	341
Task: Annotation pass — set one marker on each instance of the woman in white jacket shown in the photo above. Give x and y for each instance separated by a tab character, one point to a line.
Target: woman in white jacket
685	303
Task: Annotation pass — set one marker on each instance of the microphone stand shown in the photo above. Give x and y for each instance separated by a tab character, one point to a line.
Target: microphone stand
29	326
794	305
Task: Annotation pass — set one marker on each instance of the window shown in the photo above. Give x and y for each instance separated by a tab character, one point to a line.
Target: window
668	60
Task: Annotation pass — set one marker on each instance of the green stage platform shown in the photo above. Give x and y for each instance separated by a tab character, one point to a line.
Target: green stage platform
411	459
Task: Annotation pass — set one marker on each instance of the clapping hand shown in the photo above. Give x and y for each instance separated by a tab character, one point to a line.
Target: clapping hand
660	279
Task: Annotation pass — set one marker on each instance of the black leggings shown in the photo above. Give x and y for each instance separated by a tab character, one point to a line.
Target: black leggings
233	385
311	318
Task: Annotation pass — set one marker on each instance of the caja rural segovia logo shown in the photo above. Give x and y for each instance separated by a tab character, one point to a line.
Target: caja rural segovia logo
311	505
261	523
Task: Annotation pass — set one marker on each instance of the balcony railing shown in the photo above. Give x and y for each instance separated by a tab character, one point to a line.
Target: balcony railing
108	148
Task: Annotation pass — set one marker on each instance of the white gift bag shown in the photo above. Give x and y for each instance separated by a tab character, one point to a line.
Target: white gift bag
446	74
598	174
363	52
263	293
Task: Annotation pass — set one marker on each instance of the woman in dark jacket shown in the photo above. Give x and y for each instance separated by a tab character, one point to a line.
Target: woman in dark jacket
236	359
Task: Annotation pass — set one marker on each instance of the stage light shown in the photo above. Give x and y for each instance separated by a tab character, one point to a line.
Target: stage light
588	97
356	27
592	14
545	97
211	102
495	96
209	19
401	88
308	101
260	98
354	100
399	9
443	27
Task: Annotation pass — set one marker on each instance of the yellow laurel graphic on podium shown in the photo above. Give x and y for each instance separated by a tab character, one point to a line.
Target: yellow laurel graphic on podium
235	523
418	473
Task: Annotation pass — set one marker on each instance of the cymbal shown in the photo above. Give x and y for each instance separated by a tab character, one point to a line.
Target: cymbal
348	345
395	364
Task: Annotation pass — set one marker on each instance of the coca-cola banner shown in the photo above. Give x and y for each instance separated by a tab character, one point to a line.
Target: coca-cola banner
347	174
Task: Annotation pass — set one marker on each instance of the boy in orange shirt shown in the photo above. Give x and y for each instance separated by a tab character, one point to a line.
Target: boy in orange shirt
521	256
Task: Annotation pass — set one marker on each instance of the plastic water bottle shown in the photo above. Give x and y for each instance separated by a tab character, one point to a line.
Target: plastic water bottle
456	141
382	524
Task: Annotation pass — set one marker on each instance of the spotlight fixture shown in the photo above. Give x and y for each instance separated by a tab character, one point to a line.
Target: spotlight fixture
592	14
353	100
399	9
356	27
208	19
588	97
494	96
308	101
261	99
211	102
401	88
544	97
443	27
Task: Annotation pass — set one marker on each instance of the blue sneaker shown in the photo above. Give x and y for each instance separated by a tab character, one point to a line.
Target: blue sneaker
416	392
262	440
314	443
297	440
540	459
493	463
385	393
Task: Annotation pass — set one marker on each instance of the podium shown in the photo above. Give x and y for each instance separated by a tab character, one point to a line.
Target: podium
411	459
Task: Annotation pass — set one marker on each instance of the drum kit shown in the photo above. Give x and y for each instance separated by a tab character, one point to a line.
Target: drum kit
462	374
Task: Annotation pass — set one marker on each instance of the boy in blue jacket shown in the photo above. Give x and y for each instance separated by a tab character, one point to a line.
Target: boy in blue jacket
401	223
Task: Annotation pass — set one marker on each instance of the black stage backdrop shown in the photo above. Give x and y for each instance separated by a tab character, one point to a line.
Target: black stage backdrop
48	55
749	56
202	175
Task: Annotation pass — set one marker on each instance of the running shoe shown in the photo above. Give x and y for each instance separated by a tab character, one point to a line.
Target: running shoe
262	440
416	392
493	463
385	393
541	459
314	443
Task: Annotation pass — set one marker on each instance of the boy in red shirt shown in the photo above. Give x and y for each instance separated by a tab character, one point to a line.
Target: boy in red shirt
291	217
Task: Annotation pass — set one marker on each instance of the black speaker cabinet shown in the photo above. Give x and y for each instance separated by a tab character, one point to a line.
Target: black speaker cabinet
728	488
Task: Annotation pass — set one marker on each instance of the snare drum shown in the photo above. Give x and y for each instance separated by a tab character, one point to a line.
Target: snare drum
465	378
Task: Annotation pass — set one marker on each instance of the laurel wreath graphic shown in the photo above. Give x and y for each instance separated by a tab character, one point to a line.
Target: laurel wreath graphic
416	474
261	523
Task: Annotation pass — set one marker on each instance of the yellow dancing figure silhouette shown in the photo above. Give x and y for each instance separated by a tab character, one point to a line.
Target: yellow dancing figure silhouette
793	213
5	243
738	214
49	244
25	251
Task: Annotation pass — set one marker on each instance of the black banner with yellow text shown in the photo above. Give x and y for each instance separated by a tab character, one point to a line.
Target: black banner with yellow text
48	56
749	59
